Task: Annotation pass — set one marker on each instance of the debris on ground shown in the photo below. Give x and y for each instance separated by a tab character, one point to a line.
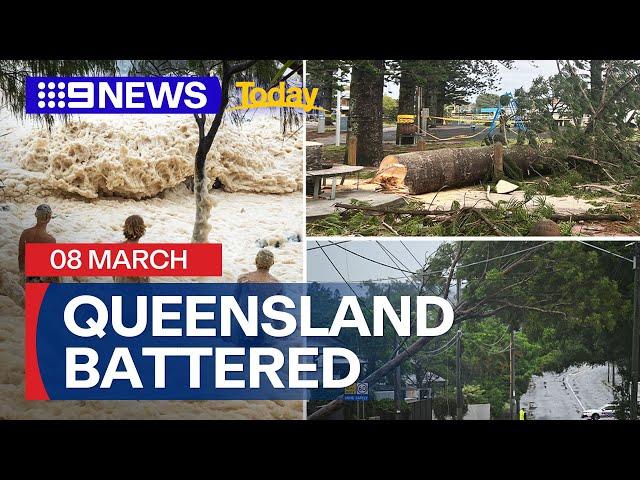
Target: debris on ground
506	187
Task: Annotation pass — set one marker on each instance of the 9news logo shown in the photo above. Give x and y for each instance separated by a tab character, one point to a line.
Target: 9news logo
81	95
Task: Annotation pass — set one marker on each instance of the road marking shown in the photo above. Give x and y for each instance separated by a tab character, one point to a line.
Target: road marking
571	388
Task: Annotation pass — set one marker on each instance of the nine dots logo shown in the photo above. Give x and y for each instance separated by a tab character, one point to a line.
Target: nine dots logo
135	95
51	94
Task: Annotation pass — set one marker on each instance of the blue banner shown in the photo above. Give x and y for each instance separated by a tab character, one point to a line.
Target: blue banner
136	95
167	341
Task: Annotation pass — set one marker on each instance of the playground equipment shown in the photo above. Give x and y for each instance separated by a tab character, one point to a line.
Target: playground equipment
506	110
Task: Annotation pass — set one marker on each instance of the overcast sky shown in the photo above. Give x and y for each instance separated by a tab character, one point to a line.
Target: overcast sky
520	75
356	269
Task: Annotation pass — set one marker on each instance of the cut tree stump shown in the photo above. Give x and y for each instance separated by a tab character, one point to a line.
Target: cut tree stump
498	161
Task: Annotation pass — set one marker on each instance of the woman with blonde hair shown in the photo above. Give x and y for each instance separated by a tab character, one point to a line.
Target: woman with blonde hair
133	230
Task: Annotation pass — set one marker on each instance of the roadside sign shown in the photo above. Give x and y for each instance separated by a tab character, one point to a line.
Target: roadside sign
406	119
359	391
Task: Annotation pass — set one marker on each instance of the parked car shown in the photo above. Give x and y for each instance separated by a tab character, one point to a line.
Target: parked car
605	411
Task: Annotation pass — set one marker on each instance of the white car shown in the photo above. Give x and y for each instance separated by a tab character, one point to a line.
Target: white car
606	411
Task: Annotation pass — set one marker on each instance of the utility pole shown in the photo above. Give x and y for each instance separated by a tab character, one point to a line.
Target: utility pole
512	374
459	409
635	346
613	373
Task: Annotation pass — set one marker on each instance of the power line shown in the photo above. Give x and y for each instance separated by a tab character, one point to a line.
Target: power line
337	270
502	256
606	251
443	348
505	349
373	261
411	253
423	274
391	257
329	244
491	345
388	252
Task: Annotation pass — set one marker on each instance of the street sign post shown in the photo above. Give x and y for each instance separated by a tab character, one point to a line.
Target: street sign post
357	392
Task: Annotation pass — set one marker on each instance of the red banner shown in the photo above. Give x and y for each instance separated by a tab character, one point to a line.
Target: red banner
123	259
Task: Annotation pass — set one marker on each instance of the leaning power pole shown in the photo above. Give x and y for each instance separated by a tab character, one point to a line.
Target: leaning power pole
459	409
635	342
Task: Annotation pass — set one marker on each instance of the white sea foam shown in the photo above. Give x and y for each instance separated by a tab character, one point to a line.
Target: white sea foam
133	157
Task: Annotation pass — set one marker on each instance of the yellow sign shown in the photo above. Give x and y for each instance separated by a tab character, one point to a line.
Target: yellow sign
350	390
280	96
406	119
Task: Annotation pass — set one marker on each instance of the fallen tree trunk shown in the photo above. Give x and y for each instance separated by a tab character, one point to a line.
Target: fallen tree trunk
432	170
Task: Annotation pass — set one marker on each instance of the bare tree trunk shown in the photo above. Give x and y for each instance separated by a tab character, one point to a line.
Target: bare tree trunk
365	109
595	77
204	201
406	98
440	101
595	72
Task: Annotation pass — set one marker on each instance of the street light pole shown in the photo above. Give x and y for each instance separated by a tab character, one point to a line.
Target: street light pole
635	346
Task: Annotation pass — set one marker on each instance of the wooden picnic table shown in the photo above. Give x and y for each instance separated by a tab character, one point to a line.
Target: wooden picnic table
333	172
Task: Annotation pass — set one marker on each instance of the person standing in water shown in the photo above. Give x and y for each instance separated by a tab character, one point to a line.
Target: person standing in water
264	261
36	234
133	230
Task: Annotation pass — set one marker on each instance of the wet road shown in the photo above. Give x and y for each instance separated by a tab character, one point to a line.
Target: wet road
563	396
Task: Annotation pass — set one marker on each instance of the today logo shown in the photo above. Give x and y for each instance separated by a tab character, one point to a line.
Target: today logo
280	96
78	95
